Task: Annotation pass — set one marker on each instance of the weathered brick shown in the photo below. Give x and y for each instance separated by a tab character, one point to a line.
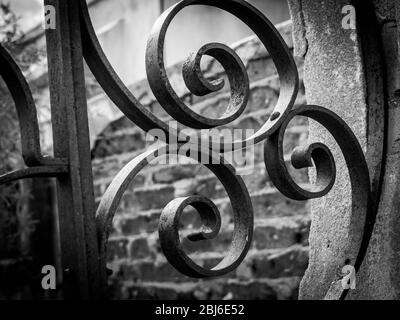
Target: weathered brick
281	232
106	168
117	248
270	202
248	122
261	98
138	248
101	185
172	173
260	289
267	203
153	291
190	219
220	243
255	179
146	270
159	269
208	260
202	186
103	169
149	197
294	136
262	264
271	233
144	222
260	68
290	262
265	289
119	124
119	142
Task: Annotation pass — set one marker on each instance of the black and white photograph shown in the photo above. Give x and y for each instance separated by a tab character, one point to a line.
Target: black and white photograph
199	154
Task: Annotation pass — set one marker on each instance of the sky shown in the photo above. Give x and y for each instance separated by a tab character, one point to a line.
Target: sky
29	11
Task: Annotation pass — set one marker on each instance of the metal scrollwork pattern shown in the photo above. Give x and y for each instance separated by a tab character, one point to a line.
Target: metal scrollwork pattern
271	133
169	221
198	85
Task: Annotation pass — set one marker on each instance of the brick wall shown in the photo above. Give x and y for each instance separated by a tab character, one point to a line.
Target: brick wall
279	254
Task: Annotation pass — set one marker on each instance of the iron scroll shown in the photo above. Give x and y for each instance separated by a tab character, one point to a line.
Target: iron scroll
271	134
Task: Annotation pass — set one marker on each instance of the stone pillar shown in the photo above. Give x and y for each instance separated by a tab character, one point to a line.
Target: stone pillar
354	72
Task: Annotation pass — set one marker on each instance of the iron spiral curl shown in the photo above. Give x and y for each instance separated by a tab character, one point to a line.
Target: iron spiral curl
169	221
271	133
363	210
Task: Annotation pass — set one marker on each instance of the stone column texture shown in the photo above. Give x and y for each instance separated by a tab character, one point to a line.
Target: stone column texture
338	75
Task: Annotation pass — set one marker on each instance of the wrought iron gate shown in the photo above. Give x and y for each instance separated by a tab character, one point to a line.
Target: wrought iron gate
84	233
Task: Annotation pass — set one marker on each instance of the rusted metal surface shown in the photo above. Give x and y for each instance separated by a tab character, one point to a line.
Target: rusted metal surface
198	85
363	209
161	87
84	240
169	221
34	172
76	211
268	35
345	72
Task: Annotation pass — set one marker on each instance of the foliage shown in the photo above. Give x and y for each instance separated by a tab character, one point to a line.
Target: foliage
13	197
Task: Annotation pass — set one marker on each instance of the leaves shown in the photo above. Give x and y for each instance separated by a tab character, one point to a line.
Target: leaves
10	32
13	217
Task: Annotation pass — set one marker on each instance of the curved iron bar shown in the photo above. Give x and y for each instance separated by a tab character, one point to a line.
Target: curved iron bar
198	85
169	221
267	34
363	210
271	132
135	111
34	172
38	165
110	81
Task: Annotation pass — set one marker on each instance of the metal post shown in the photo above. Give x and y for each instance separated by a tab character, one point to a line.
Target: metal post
79	249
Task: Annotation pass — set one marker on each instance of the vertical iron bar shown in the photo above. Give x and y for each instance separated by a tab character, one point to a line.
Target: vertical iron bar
75	196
